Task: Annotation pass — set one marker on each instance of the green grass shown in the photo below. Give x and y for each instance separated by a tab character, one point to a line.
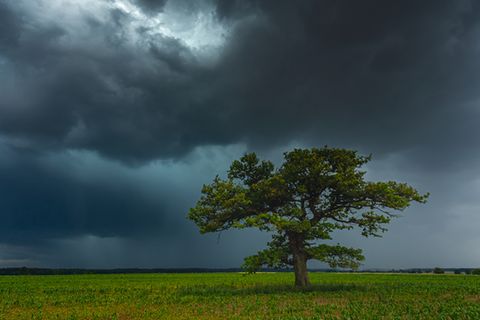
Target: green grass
234	296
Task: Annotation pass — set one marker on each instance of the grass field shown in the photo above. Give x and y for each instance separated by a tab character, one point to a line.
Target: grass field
234	296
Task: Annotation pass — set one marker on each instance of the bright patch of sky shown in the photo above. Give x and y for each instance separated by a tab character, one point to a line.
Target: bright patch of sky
194	26
197	27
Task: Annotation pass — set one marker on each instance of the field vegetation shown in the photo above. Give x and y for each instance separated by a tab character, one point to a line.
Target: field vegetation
235	296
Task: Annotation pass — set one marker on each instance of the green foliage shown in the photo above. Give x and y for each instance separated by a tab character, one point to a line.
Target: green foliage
337	256
313	193
476	272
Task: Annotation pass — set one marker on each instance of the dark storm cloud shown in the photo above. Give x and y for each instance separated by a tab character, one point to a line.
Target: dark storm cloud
384	77
397	79
341	72
53	196
39	202
103	96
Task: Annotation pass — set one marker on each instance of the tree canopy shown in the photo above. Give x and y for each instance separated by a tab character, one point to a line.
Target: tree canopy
313	193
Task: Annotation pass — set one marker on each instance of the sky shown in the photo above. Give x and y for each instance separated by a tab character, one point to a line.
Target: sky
114	113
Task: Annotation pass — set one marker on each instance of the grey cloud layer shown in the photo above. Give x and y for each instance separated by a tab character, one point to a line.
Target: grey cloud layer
397	79
152	6
41	202
103	94
339	72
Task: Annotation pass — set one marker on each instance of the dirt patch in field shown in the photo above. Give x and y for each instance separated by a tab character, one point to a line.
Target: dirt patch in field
322	301
475	298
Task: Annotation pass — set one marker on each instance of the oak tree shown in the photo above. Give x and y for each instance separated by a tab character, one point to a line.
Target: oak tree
313	193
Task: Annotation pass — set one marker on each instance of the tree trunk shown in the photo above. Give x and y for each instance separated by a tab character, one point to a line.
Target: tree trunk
301	272
299	262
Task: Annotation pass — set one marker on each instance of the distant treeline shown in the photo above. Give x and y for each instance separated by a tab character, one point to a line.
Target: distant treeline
48	271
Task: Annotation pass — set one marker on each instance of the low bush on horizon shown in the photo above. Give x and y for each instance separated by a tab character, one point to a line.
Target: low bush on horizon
438	271
235	296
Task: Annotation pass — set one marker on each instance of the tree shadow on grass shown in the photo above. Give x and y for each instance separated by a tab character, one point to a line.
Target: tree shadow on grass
232	290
